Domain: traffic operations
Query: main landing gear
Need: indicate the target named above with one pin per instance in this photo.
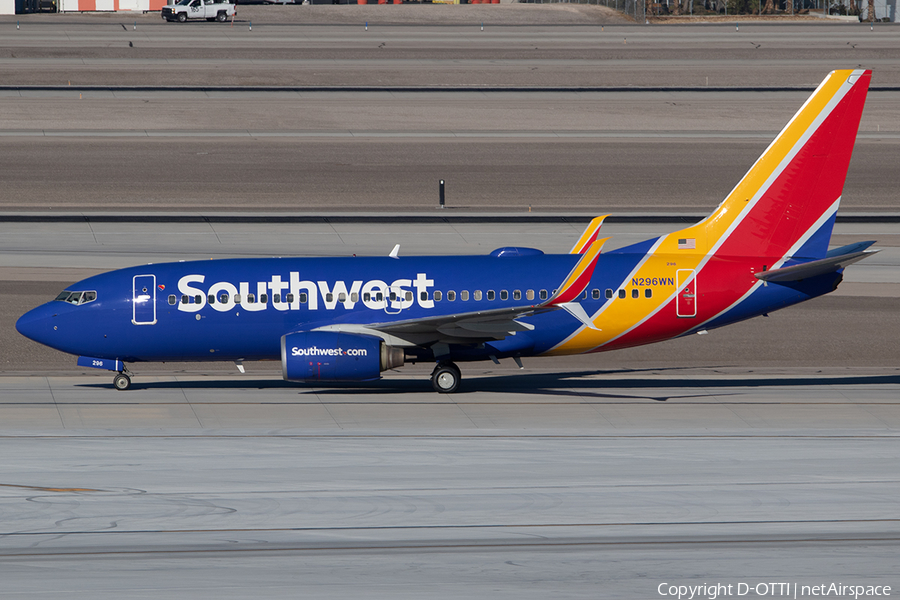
(122, 381)
(445, 378)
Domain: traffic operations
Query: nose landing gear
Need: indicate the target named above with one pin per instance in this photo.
(122, 381)
(445, 378)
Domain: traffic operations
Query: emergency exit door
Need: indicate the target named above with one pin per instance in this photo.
(686, 299)
(143, 301)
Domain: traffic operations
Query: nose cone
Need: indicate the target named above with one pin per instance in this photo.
(37, 324)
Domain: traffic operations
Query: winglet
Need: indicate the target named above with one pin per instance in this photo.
(579, 277)
(589, 236)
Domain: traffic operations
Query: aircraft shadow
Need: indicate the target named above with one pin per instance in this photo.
(588, 383)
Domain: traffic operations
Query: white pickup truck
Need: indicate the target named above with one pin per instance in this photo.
(211, 10)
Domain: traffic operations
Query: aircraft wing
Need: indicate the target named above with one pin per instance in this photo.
(462, 328)
(469, 327)
(485, 325)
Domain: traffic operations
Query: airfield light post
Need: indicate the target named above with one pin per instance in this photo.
(441, 193)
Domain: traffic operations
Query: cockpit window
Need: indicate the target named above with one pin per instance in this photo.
(77, 297)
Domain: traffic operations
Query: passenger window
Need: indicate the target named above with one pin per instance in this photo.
(543, 294)
(211, 299)
(477, 294)
(329, 297)
(490, 295)
(517, 294)
(379, 297)
(354, 297)
(423, 296)
(437, 296)
(621, 293)
(648, 293)
(289, 298)
(464, 295)
(173, 300)
(367, 297)
(342, 297)
(185, 299)
(609, 293)
(595, 294)
(276, 298)
(237, 298)
(303, 298)
(504, 295)
(451, 296)
(584, 295)
(635, 293)
(393, 296)
(251, 298)
(409, 296)
(263, 298)
(529, 295)
(223, 298)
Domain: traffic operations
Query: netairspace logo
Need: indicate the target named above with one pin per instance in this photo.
(778, 589)
(316, 351)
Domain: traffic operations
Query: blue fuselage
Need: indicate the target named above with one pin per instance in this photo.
(240, 308)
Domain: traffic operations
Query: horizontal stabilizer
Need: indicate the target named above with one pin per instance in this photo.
(816, 267)
(849, 249)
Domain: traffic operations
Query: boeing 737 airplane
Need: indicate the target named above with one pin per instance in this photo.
(348, 319)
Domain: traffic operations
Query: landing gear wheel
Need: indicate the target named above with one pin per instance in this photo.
(445, 378)
(122, 382)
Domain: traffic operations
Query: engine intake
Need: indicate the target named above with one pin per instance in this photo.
(336, 356)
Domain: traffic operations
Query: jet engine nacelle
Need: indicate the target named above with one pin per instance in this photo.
(336, 356)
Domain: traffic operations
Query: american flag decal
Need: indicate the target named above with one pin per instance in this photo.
(687, 243)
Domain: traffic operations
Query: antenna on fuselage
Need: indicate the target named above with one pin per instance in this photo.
(395, 253)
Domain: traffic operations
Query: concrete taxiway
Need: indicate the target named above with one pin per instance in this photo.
(441, 515)
(298, 114)
(289, 50)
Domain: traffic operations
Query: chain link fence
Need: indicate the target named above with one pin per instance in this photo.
(633, 8)
(638, 9)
